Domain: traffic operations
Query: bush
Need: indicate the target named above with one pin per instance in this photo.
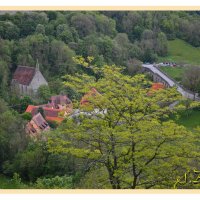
(16, 182)
(26, 116)
(52, 124)
(44, 93)
(57, 182)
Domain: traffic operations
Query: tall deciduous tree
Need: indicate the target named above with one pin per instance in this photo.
(44, 93)
(61, 58)
(4, 69)
(134, 66)
(130, 133)
(191, 79)
(12, 135)
(84, 24)
(161, 46)
(105, 25)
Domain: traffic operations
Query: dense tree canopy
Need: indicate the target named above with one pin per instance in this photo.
(130, 142)
(130, 134)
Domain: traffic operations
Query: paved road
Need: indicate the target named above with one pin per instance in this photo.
(171, 83)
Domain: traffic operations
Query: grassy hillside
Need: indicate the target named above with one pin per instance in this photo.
(189, 121)
(174, 72)
(182, 52)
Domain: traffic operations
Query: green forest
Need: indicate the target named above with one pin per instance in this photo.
(126, 137)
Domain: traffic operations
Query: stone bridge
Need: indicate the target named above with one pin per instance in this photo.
(159, 76)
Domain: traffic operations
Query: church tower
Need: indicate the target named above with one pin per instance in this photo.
(37, 66)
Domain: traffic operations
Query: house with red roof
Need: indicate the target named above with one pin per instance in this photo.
(50, 113)
(55, 110)
(61, 102)
(32, 109)
(156, 87)
(91, 94)
(27, 80)
(37, 125)
(53, 114)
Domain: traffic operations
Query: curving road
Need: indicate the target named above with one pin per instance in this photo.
(171, 83)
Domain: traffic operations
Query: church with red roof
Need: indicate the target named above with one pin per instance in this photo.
(26, 80)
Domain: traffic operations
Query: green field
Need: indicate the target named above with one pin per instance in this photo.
(190, 120)
(182, 52)
(174, 72)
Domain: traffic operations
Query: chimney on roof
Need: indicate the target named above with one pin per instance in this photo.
(37, 66)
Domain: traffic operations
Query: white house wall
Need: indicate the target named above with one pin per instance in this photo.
(37, 81)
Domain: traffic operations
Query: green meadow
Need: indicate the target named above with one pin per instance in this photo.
(174, 72)
(182, 52)
(190, 119)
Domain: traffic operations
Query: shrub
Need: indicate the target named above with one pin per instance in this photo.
(58, 182)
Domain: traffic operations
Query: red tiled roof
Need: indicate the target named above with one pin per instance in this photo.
(92, 93)
(54, 109)
(57, 119)
(51, 112)
(157, 86)
(60, 99)
(37, 125)
(32, 109)
(39, 120)
(24, 75)
(29, 108)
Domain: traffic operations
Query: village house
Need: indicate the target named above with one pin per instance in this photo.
(55, 110)
(85, 103)
(155, 87)
(85, 100)
(37, 125)
(27, 80)
(61, 102)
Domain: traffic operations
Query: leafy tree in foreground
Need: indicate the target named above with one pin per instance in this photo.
(131, 135)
